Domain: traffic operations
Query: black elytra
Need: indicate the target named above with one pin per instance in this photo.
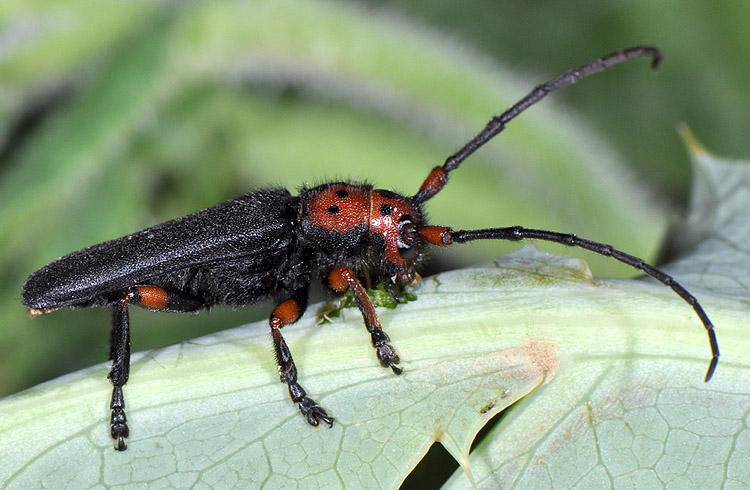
(269, 244)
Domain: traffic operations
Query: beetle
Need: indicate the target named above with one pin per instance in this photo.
(269, 244)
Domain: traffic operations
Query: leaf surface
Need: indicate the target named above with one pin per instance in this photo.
(635, 417)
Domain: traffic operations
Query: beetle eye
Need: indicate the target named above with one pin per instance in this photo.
(407, 237)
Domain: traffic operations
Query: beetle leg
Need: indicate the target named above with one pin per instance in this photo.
(119, 352)
(159, 299)
(289, 311)
(343, 278)
(153, 298)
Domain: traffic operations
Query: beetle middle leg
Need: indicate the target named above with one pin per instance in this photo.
(289, 311)
(343, 278)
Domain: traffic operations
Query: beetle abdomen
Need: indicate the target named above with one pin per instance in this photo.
(255, 227)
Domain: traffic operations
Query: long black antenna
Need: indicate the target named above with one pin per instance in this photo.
(434, 183)
(516, 233)
(438, 177)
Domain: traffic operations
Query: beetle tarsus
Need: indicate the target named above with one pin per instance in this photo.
(386, 354)
(118, 423)
(313, 412)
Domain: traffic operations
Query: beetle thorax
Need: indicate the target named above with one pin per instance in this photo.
(343, 208)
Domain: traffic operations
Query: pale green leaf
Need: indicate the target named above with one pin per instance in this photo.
(594, 354)
(715, 237)
(640, 416)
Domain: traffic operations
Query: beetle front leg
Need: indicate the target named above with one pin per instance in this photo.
(343, 278)
(289, 311)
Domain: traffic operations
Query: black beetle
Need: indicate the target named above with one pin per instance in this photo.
(268, 244)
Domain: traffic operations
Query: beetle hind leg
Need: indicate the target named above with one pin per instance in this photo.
(289, 311)
(153, 298)
(119, 353)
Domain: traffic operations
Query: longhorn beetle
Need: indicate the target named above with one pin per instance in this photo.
(268, 244)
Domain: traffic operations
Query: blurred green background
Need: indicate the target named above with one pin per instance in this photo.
(117, 116)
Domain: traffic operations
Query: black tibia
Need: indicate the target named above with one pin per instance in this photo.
(119, 352)
(151, 297)
(287, 312)
(516, 233)
(386, 354)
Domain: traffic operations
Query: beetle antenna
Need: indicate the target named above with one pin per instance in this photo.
(438, 177)
(516, 233)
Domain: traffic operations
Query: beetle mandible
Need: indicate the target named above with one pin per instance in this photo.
(269, 244)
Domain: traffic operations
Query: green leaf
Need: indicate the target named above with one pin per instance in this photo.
(386, 295)
(597, 356)
(638, 415)
(712, 240)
